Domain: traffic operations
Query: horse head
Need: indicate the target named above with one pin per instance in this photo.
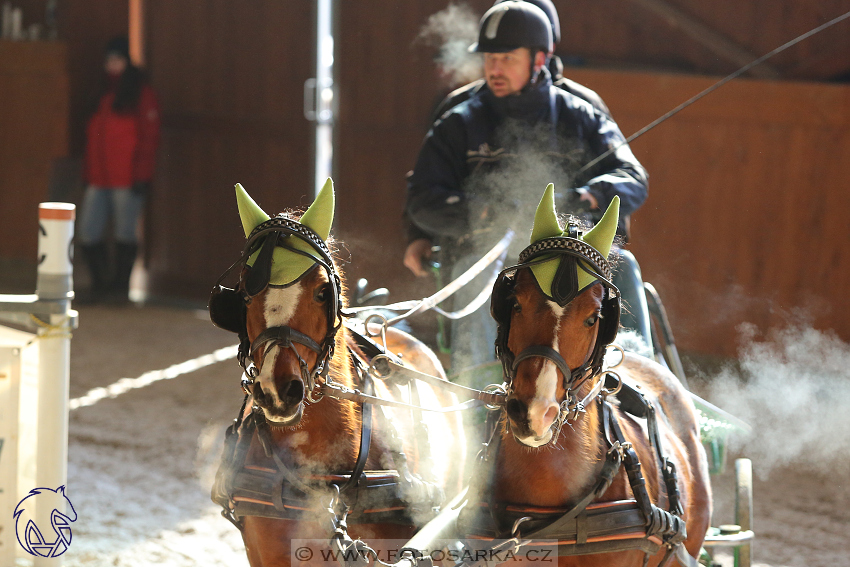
(557, 311)
(292, 292)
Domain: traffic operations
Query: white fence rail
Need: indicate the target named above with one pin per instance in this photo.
(34, 379)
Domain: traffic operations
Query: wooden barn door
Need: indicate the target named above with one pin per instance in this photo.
(230, 77)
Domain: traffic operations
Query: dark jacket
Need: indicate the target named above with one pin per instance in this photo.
(489, 157)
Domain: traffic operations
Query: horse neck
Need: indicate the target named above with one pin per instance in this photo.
(557, 473)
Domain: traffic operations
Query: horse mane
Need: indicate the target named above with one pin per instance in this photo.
(585, 225)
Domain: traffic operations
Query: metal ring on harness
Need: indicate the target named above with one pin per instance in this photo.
(622, 354)
(381, 359)
(605, 391)
(382, 332)
(495, 389)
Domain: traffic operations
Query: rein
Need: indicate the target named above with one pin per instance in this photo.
(496, 256)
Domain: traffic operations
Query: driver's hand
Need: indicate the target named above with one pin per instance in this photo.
(417, 251)
(585, 195)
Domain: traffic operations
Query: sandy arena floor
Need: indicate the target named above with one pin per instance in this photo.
(141, 463)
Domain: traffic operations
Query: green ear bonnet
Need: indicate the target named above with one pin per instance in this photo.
(279, 251)
(563, 262)
(578, 260)
(286, 259)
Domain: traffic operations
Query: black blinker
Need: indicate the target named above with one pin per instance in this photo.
(260, 273)
(227, 309)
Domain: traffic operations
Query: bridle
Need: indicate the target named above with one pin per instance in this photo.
(575, 254)
(283, 492)
(228, 306)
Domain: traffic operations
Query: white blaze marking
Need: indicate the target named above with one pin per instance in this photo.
(547, 381)
(278, 309)
(280, 305)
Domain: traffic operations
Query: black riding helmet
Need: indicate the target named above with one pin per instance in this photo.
(551, 12)
(511, 25)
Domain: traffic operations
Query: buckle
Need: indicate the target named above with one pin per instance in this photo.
(620, 448)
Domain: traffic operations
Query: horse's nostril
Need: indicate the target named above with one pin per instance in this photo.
(551, 414)
(294, 392)
(517, 410)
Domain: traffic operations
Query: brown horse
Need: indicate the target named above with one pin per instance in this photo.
(557, 311)
(297, 446)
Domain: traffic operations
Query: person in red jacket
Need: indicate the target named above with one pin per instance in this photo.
(122, 139)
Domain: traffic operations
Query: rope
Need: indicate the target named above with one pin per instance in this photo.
(716, 86)
(51, 331)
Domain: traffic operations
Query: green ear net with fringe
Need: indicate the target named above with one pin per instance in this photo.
(546, 225)
(288, 266)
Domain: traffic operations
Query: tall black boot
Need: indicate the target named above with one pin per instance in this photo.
(125, 257)
(96, 257)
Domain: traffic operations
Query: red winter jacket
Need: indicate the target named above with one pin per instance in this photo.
(121, 148)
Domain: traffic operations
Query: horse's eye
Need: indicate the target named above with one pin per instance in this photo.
(591, 321)
(323, 293)
(515, 306)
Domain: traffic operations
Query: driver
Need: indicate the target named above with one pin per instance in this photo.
(485, 160)
(556, 69)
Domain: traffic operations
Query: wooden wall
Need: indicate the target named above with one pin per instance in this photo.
(230, 77)
(695, 37)
(33, 132)
(380, 126)
(746, 220)
(84, 26)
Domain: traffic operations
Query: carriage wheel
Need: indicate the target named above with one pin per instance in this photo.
(744, 509)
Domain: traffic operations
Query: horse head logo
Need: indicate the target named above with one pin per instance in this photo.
(31, 538)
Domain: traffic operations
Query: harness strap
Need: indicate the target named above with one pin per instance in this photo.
(547, 352)
(341, 393)
(385, 368)
(634, 402)
(650, 526)
(284, 337)
(283, 471)
(365, 435)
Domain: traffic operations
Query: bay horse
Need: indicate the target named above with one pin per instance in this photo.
(299, 447)
(552, 471)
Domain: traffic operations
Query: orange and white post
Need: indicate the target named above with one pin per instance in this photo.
(54, 286)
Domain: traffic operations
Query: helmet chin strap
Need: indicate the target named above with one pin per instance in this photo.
(534, 72)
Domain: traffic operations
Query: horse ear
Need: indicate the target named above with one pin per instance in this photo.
(288, 266)
(602, 235)
(249, 211)
(320, 216)
(546, 226)
(545, 219)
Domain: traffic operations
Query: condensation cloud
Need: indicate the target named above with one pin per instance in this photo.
(452, 30)
(793, 388)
